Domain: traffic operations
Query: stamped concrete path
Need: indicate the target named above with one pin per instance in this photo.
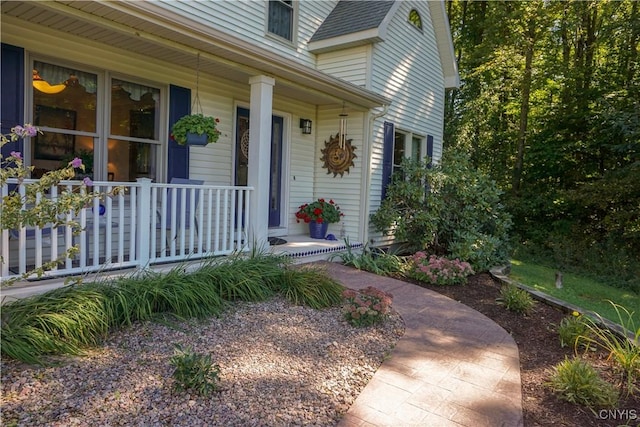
(453, 366)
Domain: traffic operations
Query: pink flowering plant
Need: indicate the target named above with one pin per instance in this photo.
(367, 306)
(439, 270)
(43, 211)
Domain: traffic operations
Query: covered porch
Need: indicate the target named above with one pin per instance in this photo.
(142, 225)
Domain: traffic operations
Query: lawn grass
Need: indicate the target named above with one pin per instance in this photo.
(584, 292)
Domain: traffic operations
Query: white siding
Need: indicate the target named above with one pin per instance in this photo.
(348, 64)
(407, 69)
(345, 190)
(247, 19)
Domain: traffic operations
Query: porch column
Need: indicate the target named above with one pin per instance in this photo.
(259, 158)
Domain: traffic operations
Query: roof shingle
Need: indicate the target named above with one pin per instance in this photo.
(352, 16)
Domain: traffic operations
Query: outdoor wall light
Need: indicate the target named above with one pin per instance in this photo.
(305, 125)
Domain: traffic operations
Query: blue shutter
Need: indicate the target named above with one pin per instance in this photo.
(178, 155)
(387, 157)
(427, 185)
(430, 150)
(11, 87)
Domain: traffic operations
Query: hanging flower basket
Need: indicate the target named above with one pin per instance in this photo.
(197, 139)
(201, 126)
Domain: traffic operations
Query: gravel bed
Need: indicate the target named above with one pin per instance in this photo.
(280, 365)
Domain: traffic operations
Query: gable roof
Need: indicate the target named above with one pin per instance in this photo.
(351, 17)
(357, 22)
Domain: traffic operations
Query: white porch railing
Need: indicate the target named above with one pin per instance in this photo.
(147, 223)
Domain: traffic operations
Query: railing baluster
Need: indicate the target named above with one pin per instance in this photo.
(216, 226)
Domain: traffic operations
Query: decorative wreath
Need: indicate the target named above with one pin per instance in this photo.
(244, 144)
(337, 159)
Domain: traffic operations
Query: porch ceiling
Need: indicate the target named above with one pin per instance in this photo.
(143, 28)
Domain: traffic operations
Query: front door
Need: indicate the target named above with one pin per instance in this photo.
(275, 172)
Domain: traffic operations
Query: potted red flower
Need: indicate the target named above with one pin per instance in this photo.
(319, 214)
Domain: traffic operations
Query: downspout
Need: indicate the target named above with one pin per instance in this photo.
(366, 177)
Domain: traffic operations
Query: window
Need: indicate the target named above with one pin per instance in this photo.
(399, 145)
(405, 145)
(281, 18)
(134, 132)
(414, 18)
(67, 110)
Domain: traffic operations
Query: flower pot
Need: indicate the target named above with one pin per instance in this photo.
(197, 139)
(318, 231)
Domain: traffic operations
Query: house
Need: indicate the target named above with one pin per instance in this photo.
(335, 93)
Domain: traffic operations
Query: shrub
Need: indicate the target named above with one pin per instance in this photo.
(44, 211)
(516, 299)
(460, 216)
(194, 371)
(578, 382)
(367, 306)
(439, 270)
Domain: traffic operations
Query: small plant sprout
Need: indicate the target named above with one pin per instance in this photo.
(194, 371)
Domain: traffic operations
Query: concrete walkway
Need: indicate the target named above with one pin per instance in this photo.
(452, 367)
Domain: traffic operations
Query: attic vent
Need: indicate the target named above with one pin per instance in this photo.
(414, 18)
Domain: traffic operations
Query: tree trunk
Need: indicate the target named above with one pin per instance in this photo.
(524, 108)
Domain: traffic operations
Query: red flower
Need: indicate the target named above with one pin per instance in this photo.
(319, 211)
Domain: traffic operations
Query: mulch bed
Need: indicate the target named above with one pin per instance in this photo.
(540, 350)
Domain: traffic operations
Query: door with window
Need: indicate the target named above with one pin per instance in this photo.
(275, 171)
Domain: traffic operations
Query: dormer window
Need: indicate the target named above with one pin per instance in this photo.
(414, 18)
(281, 18)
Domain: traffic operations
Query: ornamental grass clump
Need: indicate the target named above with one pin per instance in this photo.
(439, 270)
(576, 381)
(623, 346)
(571, 329)
(516, 299)
(367, 306)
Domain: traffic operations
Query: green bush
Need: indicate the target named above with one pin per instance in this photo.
(516, 299)
(461, 216)
(578, 382)
(194, 371)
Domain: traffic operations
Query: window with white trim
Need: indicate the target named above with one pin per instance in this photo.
(280, 21)
(406, 145)
(67, 107)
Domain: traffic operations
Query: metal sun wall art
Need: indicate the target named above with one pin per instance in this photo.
(338, 159)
